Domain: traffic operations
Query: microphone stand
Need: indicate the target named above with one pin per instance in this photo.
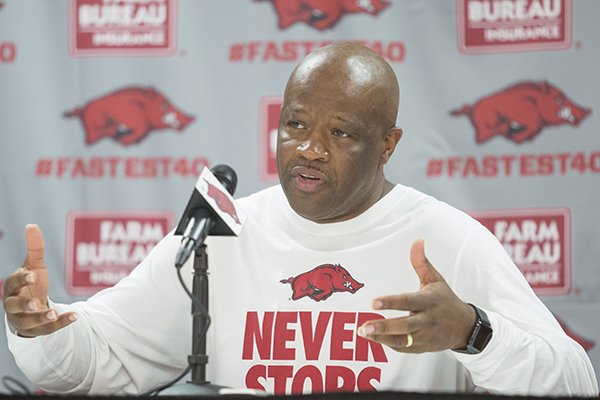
(198, 385)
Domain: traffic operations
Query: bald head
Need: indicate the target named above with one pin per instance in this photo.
(355, 71)
(336, 132)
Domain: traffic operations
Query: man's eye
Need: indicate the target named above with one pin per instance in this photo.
(295, 124)
(340, 133)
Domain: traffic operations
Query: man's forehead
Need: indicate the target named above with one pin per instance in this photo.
(354, 69)
(313, 62)
(301, 107)
(333, 114)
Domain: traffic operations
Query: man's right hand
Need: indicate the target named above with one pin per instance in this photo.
(26, 293)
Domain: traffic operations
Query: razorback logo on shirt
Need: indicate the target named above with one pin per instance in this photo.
(321, 282)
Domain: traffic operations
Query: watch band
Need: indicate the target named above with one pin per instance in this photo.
(480, 335)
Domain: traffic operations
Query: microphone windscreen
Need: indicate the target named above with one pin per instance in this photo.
(227, 176)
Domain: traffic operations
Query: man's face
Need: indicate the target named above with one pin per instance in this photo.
(329, 151)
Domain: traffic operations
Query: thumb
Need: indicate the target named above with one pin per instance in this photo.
(35, 263)
(35, 247)
(426, 272)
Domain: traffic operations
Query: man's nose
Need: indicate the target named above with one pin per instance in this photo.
(313, 149)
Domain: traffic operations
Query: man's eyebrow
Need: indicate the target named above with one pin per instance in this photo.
(297, 107)
(342, 118)
(348, 120)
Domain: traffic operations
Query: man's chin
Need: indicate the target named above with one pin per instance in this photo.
(308, 210)
(312, 205)
(315, 212)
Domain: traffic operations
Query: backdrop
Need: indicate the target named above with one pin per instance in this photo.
(110, 108)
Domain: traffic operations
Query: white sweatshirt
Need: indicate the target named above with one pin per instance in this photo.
(283, 325)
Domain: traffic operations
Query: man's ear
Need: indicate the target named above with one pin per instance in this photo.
(391, 139)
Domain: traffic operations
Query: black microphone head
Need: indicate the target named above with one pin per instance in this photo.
(226, 175)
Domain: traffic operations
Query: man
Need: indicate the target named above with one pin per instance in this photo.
(292, 297)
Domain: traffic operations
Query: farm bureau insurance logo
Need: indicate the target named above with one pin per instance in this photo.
(104, 246)
(490, 26)
(122, 27)
(539, 243)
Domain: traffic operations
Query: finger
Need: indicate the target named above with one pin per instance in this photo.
(35, 247)
(395, 332)
(398, 342)
(18, 280)
(405, 302)
(426, 272)
(29, 320)
(23, 304)
(47, 328)
(392, 326)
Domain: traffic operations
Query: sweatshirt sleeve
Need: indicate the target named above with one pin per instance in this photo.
(128, 338)
(41, 358)
(529, 353)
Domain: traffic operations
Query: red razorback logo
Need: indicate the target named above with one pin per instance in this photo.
(586, 344)
(128, 115)
(322, 281)
(222, 201)
(519, 112)
(322, 14)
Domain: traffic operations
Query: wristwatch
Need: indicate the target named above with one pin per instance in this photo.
(480, 335)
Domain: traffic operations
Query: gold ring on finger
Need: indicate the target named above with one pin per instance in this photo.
(409, 340)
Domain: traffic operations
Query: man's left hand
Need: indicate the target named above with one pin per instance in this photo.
(437, 320)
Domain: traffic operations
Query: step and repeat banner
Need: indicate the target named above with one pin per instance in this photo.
(111, 108)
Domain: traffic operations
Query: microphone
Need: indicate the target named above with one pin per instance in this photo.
(200, 218)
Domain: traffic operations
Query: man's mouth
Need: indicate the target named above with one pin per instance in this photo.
(308, 179)
(306, 176)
